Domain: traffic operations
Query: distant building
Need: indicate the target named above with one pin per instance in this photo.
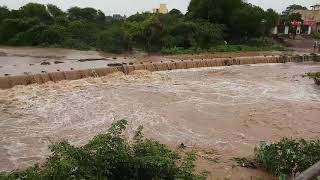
(162, 9)
(309, 25)
(313, 14)
(311, 18)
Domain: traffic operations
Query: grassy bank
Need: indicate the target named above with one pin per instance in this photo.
(222, 48)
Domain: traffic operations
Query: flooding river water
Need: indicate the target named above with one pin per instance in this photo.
(229, 109)
(31, 60)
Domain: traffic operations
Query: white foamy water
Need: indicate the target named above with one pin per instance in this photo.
(226, 108)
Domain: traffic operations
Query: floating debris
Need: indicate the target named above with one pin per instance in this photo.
(58, 62)
(114, 64)
(45, 63)
(91, 59)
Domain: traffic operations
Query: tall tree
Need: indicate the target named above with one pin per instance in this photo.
(175, 12)
(295, 17)
(55, 11)
(293, 7)
(35, 10)
(271, 18)
(146, 34)
(100, 17)
(246, 21)
(75, 13)
(215, 11)
(4, 13)
(11, 27)
(113, 40)
(86, 14)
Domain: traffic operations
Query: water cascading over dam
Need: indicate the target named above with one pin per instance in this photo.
(10, 81)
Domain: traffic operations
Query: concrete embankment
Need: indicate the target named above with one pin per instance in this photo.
(10, 81)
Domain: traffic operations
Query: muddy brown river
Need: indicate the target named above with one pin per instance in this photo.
(228, 109)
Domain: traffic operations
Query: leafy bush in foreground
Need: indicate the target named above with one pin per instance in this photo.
(111, 156)
(313, 75)
(288, 156)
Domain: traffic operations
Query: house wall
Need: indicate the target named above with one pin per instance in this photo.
(163, 9)
(309, 14)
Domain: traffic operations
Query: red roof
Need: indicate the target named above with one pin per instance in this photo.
(307, 22)
(310, 22)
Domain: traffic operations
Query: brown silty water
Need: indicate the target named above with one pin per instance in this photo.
(229, 109)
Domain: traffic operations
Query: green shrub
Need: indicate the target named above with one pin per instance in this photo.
(112, 156)
(181, 50)
(316, 35)
(288, 156)
(40, 35)
(11, 27)
(53, 35)
(221, 48)
(113, 40)
(29, 37)
(313, 75)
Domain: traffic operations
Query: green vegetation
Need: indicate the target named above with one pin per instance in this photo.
(293, 7)
(112, 156)
(285, 158)
(222, 48)
(206, 25)
(288, 156)
(288, 16)
(315, 76)
(316, 35)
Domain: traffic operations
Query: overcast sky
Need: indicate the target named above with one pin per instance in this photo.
(129, 7)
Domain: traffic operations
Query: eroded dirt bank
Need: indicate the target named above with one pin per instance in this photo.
(228, 109)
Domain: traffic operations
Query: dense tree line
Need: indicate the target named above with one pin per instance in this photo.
(206, 24)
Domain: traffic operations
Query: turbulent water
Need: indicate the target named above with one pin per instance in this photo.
(230, 109)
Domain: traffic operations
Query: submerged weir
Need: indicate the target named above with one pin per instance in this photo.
(10, 81)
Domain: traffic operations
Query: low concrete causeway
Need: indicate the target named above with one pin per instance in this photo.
(10, 81)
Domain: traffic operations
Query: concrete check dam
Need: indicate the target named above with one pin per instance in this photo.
(8, 80)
